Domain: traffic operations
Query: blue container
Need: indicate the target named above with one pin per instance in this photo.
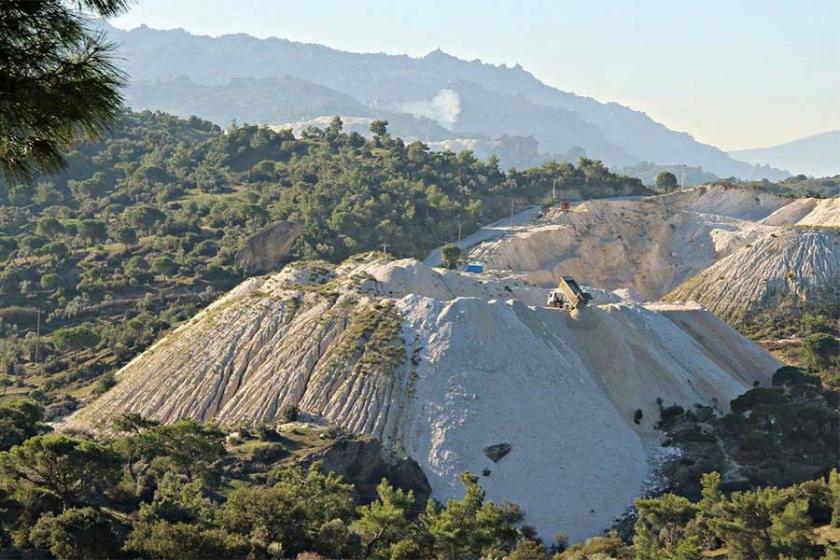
(474, 267)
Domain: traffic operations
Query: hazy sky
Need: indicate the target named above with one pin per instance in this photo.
(737, 74)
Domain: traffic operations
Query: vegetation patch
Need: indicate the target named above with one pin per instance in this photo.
(773, 436)
(373, 334)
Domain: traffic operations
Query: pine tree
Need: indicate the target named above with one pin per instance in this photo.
(57, 79)
(384, 523)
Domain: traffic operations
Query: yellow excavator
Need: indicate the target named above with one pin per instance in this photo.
(567, 295)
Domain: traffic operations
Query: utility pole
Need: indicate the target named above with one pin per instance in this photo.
(385, 250)
(511, 212)
(554, 189)
(37, 334)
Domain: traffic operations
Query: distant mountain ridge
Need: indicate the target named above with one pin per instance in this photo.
(817, 155)
(619, 135)
(269, 100)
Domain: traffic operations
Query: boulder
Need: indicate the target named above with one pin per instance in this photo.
(266, 249)
(497, 452)
(364, 462)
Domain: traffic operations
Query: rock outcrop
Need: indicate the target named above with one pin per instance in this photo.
(266, 249)
(364, 462)
(439, 365)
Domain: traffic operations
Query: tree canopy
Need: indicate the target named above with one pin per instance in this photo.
(666, 181)
(58, 79)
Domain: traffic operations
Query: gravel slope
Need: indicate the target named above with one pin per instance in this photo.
(788, 268)
(650, 245)
(439, 365)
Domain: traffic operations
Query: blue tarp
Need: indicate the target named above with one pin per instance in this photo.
(474, 267)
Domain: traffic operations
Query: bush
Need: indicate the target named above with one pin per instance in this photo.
(670, 413)
(76, 534)
(106, 382)
(759, 396)
(267, 453)
(75, 338)
(451, 254)
(666, 181)
(759, 444)
(266, 432)
(182, 541)
(289, 412)
(815, 323)
(21, 316)
(50, 281)
(819, 350)
(788, 375)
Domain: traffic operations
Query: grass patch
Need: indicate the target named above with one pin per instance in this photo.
(375, 332)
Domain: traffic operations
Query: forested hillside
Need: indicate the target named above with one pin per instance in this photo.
(145, 225)
(188, 491)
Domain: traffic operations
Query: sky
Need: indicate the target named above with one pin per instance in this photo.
(736, 74)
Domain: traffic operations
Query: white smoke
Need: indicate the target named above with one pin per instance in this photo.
(443, 108)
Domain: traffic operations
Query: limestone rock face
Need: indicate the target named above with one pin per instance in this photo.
(790, 268)
(264, 250)
(439, 365)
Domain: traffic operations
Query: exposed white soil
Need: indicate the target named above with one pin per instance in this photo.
(649, 244)
(791, 267)
(824, 212)
(734, 250)
(440, 364)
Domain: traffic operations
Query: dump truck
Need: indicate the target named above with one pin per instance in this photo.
(567, 295)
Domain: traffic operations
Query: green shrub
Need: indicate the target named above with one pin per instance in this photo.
(451, 254)
(76, 534)
(50, 281)
(268, 452)
(289, 412)
(105, 382)
(670, 413)
(820, 350)
(75, 338)
(789, 375)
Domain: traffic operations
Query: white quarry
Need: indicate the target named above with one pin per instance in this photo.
(441, 365)
(648, 244)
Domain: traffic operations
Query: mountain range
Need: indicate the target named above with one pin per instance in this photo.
(432, 98)
(817, 155)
